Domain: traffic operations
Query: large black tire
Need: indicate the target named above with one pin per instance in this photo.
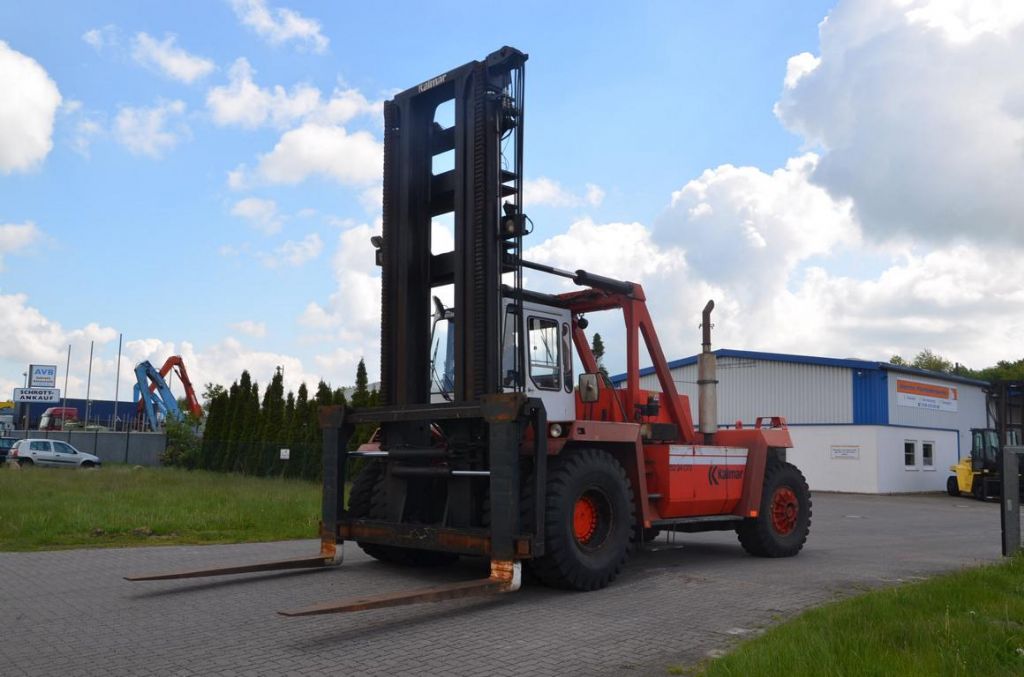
(589, 522)
(952, 487)
(784, 519)
(360, 504)
(368, 499)
(978, 488)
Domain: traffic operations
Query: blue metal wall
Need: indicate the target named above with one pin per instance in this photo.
(870, 397)
(101, 412)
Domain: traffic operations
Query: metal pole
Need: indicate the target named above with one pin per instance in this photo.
(25, 406)
(88, 385)
(1010, 509)
(117, 378)
(67, 370)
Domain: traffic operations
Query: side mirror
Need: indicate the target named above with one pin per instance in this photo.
(588, 388)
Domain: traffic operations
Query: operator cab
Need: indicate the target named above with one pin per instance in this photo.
(984, 449)
(548, 356)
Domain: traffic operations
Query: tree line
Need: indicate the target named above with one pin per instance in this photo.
(931, 361)
(245, 433)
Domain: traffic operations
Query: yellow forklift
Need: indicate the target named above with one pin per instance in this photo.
(979, 474)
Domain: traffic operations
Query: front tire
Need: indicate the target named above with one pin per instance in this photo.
(589, 522)
(952, 487)
(784, 519)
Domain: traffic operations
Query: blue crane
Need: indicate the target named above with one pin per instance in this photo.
(161, 401)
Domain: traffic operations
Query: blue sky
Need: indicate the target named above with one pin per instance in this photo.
(781, 138)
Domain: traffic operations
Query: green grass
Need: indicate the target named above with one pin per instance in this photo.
(47, 508)
(967, 623)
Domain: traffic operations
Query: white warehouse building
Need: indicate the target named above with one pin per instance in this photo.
(857, 426)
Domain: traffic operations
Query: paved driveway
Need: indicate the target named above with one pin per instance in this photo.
(70, 613)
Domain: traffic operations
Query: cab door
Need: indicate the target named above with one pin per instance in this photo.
(549, 373)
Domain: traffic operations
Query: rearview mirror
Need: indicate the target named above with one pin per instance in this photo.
(588, 388)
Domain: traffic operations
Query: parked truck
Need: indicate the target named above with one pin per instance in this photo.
(506, 442)
(58, 418)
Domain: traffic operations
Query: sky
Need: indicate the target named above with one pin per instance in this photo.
(202, 178)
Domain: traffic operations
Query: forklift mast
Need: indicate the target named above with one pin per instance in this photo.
(488, 119)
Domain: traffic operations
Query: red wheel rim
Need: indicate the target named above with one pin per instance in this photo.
(585, 517)
(785, 510)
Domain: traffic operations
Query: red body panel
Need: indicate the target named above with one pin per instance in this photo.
(682, 476)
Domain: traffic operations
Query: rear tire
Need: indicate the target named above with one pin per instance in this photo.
(25, 462)
(952, 487)
(589, 522)
(784, 519)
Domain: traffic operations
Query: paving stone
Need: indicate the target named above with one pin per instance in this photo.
(70, 612)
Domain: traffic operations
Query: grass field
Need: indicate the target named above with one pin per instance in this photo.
(968, 623)
(47, 508)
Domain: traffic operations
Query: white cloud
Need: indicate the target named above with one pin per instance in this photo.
(280, 25)
(545, 191)
(16, 236)
(345, 105)
(145, 131)
(243, 102)
(353, 159)
(238, 178)
(351, 315)
(919, 114)
(31, 337)
(98, 38)
(250, 328)
(170, 59)
(27, 111)
(595, 195)
(85, 132)
(295, 253)
(748, 228)
(262, 214)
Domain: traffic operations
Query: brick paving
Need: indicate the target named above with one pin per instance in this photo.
(70, 613)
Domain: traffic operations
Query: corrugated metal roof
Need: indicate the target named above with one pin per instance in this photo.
(810, 359)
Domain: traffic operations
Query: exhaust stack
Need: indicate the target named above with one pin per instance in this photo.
(707, 381)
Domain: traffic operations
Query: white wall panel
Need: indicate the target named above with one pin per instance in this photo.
(812, 453)
(748, 388)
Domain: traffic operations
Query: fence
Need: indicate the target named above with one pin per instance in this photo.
(126, 447)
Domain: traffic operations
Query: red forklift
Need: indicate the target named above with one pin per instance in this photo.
(489, 442)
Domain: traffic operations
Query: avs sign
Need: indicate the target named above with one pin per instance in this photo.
(42, 376)
(48, 395)
(922, 395)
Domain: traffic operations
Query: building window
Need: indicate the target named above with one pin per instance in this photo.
(928, 455)
(910, 454)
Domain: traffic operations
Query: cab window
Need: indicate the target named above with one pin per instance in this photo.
(510, 349)
(39, 445)
(544, 347)
(567, 357)
(64, 448)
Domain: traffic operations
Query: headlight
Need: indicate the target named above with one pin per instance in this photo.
(555, 429)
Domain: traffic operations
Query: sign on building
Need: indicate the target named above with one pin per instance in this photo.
(49, 395)
(925, 395)
(850, 452)
(42, 376)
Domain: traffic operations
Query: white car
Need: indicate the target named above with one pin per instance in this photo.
(53, 453)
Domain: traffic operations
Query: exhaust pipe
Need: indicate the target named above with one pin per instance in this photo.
(707, 381)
